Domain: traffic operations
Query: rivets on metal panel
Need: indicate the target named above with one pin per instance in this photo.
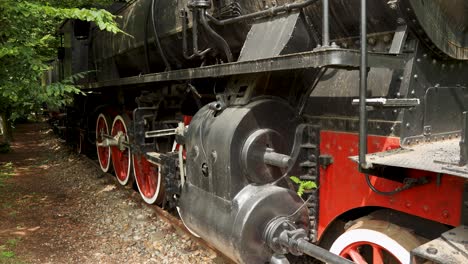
(431, 250)
(445, 214)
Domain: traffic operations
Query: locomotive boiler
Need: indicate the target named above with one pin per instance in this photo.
(335, 129)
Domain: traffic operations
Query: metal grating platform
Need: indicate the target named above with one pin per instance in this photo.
(451, 247)
(441, 157)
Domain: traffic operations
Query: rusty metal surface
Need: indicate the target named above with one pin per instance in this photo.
(444, 23)
(313, 59)
(458, 238)
(451, 247)
(440, 157)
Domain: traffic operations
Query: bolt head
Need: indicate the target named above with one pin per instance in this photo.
(431, 250)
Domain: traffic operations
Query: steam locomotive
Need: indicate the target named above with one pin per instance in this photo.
(334, 129)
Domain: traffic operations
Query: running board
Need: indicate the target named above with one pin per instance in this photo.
(440, 156)
(450, 247)
(331, 57)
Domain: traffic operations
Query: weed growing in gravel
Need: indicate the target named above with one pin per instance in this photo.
(12, 242)
(7, 255)
(6, 171)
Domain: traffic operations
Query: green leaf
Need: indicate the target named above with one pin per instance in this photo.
(295, 179)
(303, 185)
(309, 185)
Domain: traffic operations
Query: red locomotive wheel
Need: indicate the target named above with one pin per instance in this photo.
(121, 157)
(375, 241)
(104, 153)
(149, 180)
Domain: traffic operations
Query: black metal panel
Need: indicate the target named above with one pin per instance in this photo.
(444, 107)
(428, 72)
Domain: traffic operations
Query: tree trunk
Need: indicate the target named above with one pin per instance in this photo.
(7, 126)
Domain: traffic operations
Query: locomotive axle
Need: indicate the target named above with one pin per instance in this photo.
(118, 141)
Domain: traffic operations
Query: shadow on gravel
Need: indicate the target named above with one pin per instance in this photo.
(56, 208)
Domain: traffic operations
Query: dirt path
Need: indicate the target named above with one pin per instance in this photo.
(55, 208)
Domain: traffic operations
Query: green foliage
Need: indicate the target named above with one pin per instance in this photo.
(7, 254)
(12, 242)
(28, 43)
(303, 185)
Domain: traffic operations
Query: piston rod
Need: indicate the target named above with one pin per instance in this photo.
(320, 253)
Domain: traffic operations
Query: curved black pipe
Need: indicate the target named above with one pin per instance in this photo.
(196, 52)
(196, 17)
(264, 13)
(184, 36)
(221, 41)
(156, 37)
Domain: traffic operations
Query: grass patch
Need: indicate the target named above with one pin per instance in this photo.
(12, 242)
(7, 254)
(6, 172)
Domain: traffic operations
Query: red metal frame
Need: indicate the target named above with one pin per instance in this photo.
(343, 188)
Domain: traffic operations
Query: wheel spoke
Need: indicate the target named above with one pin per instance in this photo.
(375, 241)
(356, 256)
(104, 153)
(147, 179)
(377, 255)
(121, 159)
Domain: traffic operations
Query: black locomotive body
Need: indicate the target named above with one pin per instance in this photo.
(335, 129)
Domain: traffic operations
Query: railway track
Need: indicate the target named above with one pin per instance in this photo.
(165, 216)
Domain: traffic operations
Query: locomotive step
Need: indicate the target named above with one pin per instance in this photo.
(424, 156)
(449, 248)
(391, 102)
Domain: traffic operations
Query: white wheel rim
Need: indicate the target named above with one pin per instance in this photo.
(149, 200)
(106, 168)
(371, 236)
(125, 181)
